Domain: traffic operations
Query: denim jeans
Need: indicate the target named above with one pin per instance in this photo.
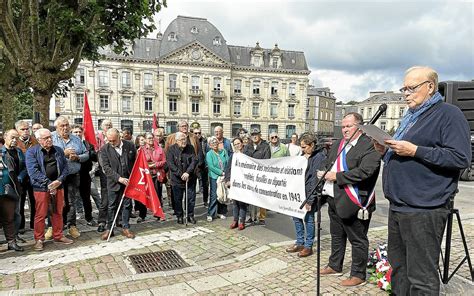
(72, 194)
(300, 230)
(239, 211)
(212, 208)
(414, 245)
(178, 195)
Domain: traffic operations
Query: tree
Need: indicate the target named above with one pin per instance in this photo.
(44, 40)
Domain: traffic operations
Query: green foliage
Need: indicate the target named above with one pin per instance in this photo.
(23, 105)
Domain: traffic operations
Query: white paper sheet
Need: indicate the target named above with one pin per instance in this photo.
(375, 133)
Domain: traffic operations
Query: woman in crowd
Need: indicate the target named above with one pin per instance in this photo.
(304, 239)
(156, 159)
(140, 141)
(216, 161)
(239, 210)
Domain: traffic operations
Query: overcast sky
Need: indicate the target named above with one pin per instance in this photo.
(353, 47)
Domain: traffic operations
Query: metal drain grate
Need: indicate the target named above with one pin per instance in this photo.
(157, 261)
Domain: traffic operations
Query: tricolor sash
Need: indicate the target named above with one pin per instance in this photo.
(352, 191)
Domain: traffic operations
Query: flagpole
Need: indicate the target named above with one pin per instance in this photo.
(115, 218)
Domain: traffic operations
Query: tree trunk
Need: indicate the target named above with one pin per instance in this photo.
(41, 104)
(7, 106)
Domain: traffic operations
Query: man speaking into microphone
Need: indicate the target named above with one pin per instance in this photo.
(420, 175)
(349, 188)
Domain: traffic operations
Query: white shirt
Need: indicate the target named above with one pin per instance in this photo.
(119, 148)
(328, 188)
(295, 150)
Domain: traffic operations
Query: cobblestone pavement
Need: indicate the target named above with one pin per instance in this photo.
(222, 262)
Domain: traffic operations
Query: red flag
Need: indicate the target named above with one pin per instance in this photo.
(88, 126)
(155, 122)
(140, 186)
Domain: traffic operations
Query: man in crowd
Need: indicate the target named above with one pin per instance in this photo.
(12, 171)
(36, 127)
(182, 162)
(116, 159)
(203, 169)
(47, 167)
(75, 153)
(258, 149)
(277, 148)
(104, 199)
(421, 170)
(293, 146)
(127, 134)
(25, 141)
(349, 189)
(224, 143)
(85, 178)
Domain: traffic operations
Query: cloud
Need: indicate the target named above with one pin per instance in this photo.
(353, 47)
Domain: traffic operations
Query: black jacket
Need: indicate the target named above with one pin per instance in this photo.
(262, 151)
(315, 162)
(363, 162)
(181, 161)
(86, 166)
(111, 165)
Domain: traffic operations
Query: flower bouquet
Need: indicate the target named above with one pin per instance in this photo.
(379, 268)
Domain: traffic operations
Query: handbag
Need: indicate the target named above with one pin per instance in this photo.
(11, 193)
(222, 194)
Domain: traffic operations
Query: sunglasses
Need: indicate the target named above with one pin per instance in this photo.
(274, 137)
(197, 133)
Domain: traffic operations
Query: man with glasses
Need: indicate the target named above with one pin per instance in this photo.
(258, 149)
(203, 176)
(422, 165)
(278, 149)
(104, 200)
(25, 141)
(48, 169)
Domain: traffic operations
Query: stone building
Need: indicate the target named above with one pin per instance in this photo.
(396, 108)
(190, 72)
(320, 111)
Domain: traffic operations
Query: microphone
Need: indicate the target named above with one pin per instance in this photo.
(377, 114)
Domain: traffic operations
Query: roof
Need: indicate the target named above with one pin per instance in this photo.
(383, 97)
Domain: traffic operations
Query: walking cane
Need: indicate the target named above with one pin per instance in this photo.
(186, 204)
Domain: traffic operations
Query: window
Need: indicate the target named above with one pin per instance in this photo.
(103, 78)
(78, 120)
(275, 63)
(369, 112)
(383, 125)
(384, 114)
(216, 107)
(216, 41)
(147, 125)
(217, 83)
(148, 104)
(256, 61)
(148, 80)
(126, 80)
(126, 124)
(254, 126)
(292, 89)
(291, 110)
(237, 108)
(362, 112)
(256, 87)
(195, 82)
(272, 128)
(235, 129)
(237, 86)
(194, 30)
(80, 76)
(255, 109)
(171, 127)
(195, 106)
(79, 101)
(290, 129)
(104, 102)
(274, 88)
(173, 104)
(274, 110)
(401, 111)
(173, 78)
(126, 103)
(172, 37)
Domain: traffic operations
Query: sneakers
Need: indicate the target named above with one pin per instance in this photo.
(101, 227)
(250, 220)
(140, 220)
(352, 282)
(234, 225)
(209, 218)
(74, 232)
(222, 216)
(38, 245)
(64, 240)
(329, 271)
(91, 222)
(261, 223)
(49, 234)
(14, 246)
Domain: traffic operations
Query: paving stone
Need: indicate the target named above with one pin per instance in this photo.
(176, 289)
(208, 283)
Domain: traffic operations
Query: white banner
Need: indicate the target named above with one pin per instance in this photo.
(276, 184)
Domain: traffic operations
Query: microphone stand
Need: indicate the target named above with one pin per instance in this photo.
(318, 189)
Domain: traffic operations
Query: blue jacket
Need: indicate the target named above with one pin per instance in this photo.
(37, 171)
(428, 179)
(75, 143)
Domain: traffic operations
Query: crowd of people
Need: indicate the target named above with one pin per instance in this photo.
(57, 171)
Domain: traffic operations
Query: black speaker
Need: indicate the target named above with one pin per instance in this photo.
(461, 94)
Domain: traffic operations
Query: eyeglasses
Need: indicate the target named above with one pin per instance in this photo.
(197, 133)
(412, 89)
(274, 137)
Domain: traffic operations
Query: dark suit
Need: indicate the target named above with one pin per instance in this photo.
(363, 164)
(114, 167)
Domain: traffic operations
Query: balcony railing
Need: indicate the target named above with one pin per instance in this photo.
(217, 94)
(174, 91)
(195, 92)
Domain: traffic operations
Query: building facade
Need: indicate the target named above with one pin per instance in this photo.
(320, 111)
(189, 72)
(390, 119)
